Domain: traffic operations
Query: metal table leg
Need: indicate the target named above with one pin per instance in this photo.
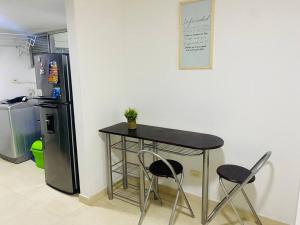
(142, 179)
(109, 169)
(205, 181)
(124, 163)
(155, 150)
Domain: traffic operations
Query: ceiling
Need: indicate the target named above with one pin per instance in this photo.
(32, 16)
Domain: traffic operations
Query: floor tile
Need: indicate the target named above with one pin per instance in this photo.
(25, 199)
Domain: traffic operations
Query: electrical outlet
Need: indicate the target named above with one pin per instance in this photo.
(195, 173)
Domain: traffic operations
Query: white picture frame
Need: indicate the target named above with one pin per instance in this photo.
(196, 19)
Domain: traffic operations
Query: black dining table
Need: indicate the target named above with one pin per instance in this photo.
(200, 143)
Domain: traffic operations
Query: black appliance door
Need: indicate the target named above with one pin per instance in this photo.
(58, 134)
(43, 64)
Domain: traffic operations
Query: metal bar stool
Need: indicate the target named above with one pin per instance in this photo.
(163, 168)
(241, 177)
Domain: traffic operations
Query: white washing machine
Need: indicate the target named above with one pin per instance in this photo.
(19, 128)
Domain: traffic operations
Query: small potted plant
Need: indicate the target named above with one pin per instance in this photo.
(131, 115)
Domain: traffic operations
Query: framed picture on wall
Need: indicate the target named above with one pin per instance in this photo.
(196, 34)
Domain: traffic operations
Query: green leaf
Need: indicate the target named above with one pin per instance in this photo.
(131, 114)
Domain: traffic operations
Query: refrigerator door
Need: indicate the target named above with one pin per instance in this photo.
(59, 149)
(52, 73)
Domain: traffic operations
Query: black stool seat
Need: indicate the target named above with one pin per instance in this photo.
(160, 169)
(234, 173)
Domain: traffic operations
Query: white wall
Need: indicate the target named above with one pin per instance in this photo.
(95, 41)
(13, 66)
(127, 53)
(250, 98)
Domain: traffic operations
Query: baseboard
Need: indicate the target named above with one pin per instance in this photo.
(171, 192)
(246, 215)
(91, 200)
(96, 197)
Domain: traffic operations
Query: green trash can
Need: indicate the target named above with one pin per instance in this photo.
(37, 151)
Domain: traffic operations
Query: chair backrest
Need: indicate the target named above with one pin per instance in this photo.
(141, 155)
(261, 162)
(258, 165)
(254, 170)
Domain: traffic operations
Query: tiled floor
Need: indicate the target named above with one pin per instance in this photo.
(26, 200)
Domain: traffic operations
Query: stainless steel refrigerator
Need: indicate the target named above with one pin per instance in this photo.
(53, 79)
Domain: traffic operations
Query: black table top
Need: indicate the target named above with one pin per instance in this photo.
(181, 138)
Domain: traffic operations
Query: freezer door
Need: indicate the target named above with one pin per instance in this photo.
(46, 84)
(58, 134)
